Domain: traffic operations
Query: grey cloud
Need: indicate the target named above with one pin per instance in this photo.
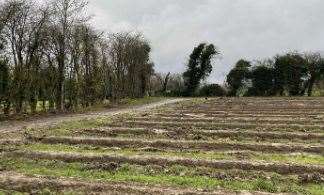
(248, 29)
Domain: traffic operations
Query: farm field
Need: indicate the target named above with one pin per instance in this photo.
(197, 146)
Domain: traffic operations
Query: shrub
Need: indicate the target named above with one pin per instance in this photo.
(213, 90)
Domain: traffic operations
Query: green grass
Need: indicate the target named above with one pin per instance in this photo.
(128, 173)
(5, 192)
(124, 103)
(141, 101)
(127, 102)
(194, 135)
(45, 191)
(65, 128)
(294, 158)
(316, 189)
(84, 149)
(255, 156)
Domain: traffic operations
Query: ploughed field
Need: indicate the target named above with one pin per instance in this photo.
(198, 146)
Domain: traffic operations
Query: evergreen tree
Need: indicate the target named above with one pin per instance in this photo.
(236, 77)
(199, 67)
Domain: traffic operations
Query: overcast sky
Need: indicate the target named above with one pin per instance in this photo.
(250, 29)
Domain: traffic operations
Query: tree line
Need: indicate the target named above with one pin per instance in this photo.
(50, 54)
(290, 74)
(52, 59)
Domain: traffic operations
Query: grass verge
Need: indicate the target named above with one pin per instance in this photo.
(138, 174)
(298, 158)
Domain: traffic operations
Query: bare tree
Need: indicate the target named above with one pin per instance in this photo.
(67, 13)
(164, 81)
(23, 30)
(51, 54)
(130, 60)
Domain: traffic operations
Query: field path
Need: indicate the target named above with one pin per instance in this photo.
(11, 126)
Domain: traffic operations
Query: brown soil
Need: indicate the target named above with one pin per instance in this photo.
(254, 112)
(232, 120)
(239, 116)
(234, 125)
(181, 145)
(176, 133)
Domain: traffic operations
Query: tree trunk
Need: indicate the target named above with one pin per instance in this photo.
(51, 105)
(33, 105)
(311, 86)
(165, 83)
(6, 109)
(19, 106)
(60, 86)
(44, 105)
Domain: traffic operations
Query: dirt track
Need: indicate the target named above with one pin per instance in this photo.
(10, 126)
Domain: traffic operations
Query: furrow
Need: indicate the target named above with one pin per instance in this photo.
(182, 145)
